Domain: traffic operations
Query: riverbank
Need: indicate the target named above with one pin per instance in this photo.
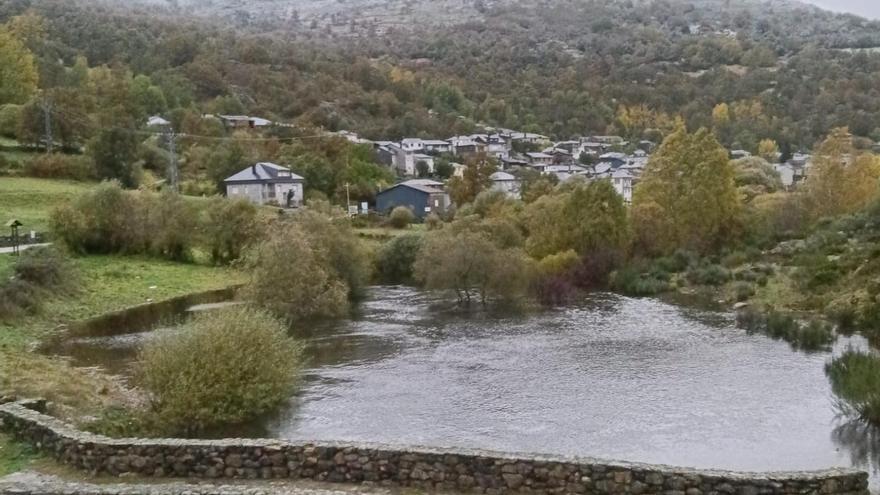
(104, 284)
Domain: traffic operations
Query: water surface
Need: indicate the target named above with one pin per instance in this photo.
(613, 377)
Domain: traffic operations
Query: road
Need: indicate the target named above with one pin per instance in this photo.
(23, 247)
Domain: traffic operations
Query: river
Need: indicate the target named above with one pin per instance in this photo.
(612, 377)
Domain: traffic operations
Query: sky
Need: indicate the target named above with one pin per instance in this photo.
(865, 8)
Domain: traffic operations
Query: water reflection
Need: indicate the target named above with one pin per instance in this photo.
(862, 441)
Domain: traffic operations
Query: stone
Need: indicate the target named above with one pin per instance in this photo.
(234, 460)
(513, 481)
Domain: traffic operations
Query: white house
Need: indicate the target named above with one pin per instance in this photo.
(413, 144)
(536, 158)
(622, 180)
(506, 183)
(266, 183)
(437, 146)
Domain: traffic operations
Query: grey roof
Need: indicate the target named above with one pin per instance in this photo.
(424, 185)
(264, 172)
(502, 176)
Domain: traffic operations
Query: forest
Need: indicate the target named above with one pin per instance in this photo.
(788, 72)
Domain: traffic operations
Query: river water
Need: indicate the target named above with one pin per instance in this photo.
(612, 377)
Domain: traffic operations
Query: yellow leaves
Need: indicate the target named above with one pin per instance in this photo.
(638, 118)
(18, 71)
(399, 75)
(841, 179)
(687, 197)
(721, 114)
(768, 150)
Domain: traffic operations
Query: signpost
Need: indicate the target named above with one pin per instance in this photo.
(14, 225)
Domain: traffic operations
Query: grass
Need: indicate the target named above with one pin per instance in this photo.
(32, 200)
(106, 283)
(14, 456)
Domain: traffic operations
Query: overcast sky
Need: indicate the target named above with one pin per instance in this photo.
(866, 8)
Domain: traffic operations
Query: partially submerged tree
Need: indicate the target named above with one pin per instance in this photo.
(687, 196)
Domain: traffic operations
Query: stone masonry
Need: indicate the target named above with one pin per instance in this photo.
(449, 470)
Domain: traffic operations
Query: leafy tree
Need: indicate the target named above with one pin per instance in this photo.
(396, 258)
(688, 185)
(588, 219)
(305, 288)
(842, 179)
(114, 152)
(229, 226)
(476, 178)
(9, 116)
(472, 266)
(753, 176)
(768, 150)
(18, 71)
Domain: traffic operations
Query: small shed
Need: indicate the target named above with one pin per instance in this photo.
(422, 196)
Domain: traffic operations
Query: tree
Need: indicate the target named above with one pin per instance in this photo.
(229, 226)
(291, 277)
(768, 150)
(588, 219)
(472, 266)
(18, 72)
(114, 152)
(842, 179)
(689, 185)
(475, 179)
(721, 114)
(753, 176)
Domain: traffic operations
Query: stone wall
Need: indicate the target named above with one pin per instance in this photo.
(455, 470)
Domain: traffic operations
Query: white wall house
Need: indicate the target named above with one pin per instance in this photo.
(266, 183)
(506, 183)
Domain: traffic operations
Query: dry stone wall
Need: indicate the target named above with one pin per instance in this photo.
(452, 470)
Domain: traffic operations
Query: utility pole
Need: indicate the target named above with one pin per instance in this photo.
(46, 105)
(347, 199)
(173, 179)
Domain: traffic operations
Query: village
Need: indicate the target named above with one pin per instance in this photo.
(422, 187)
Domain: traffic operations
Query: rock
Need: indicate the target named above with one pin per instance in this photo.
(234, 460)
(513, 481)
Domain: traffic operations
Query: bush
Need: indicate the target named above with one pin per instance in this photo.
(44, 267)
(103, 220)
(635, 280)
(396, 258)
(60, 166)
(228, 227)
(293, 277)
(742, 291)
(225, 367)
(401, 217)
(9, 117)
(855, 380)
(814, 336)
(433, 221)
(170, 224)
(712, 274)
(472, 266)
(36, 272)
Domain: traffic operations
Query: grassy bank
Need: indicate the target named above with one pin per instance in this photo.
(105, 284)
(31, 200)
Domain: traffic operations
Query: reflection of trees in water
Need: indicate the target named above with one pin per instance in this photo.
(861, 440)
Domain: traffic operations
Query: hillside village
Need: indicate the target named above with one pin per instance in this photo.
(415, 161)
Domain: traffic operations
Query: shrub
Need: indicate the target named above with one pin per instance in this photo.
(225, 367)
(472, 266)
(9, 117)
(344, 252)
(169, 225)
(396, 258)
(401, 217)
(634, 280)
(433, 221)
(742, 291)
(855, 380)
(815, 335)
(292, 277)
(60, 166)
(44, 267)
(228, 227)
(19, 298)
(100, 221)
(712, 274)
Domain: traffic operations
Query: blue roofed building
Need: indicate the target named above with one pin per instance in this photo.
(422, 196)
